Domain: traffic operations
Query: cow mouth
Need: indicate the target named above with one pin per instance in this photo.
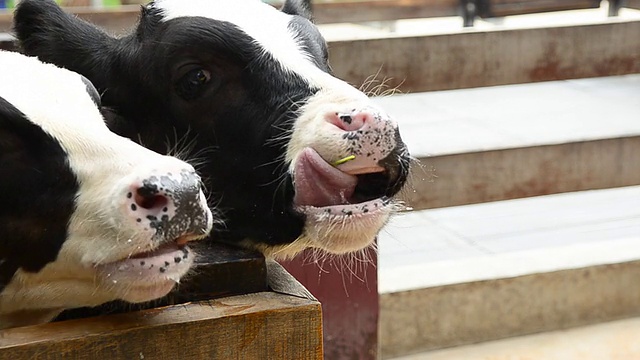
(339, 192)
(150, 274)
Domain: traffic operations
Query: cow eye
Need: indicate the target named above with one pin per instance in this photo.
(192, 84)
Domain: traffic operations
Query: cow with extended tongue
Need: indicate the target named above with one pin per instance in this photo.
(249, 88)
(86, 216)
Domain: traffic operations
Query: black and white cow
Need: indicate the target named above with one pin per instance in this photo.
(86, 216)
(250, 88)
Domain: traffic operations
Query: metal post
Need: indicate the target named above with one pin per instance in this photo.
(614, 7)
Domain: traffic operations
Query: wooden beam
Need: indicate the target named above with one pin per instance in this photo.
(115, 20)
(518, 7)
(382, 10)
(121, 19)
(257, 326)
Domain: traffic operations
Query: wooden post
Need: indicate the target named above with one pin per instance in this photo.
(348, 292)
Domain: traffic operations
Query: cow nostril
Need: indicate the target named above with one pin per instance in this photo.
(347, 119)
(150, 201)
(350, 121)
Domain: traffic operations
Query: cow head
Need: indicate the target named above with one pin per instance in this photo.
(293, 157)
(86, 216)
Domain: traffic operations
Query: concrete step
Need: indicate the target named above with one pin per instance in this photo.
(617, 340)
(473, 273)
(505, 142)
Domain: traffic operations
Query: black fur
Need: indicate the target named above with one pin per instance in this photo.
(37, 195)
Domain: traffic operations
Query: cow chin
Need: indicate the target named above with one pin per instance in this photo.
(61, 287)
(137, 268)
(341, 234)
(76, 280)
(336, 235)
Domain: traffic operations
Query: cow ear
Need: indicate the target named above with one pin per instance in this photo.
(298, 7)
(150, 18)
(44, 30)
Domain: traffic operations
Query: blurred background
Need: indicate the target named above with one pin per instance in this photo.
(521, 239)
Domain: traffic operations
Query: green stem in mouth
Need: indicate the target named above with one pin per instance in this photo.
(344, 160)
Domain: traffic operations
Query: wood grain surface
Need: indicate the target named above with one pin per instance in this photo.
(264, 325)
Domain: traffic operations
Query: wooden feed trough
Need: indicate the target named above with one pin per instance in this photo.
(235, 306)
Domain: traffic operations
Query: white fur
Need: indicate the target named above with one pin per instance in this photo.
(268, 27)
(105, 165)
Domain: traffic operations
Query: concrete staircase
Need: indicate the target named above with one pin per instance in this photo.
(506, 142)
(526, 220)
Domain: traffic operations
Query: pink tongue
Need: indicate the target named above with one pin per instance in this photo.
(319, 184)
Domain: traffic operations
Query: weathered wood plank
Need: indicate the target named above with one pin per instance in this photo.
(382, 10)
(117, 20)
(486, 58)
(114, 20)
(518, 7)
(257, 326)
